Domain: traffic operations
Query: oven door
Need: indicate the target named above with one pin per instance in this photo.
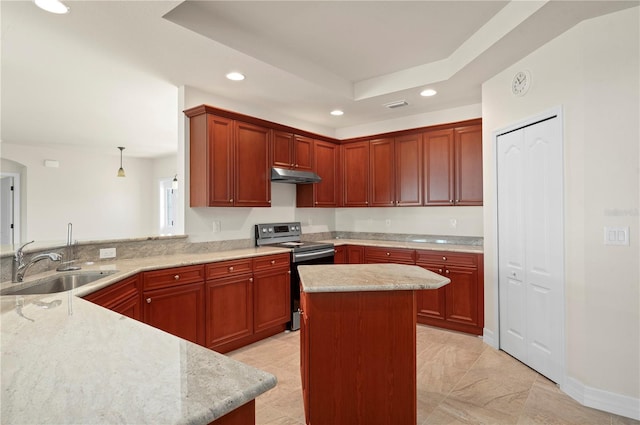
(300, 260)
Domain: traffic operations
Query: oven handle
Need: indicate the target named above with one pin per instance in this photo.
(315, 254)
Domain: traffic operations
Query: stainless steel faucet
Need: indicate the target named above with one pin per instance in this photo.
(20, 267)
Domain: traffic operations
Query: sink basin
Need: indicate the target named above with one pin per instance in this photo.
(58, 283)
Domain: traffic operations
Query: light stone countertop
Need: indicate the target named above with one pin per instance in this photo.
(472, 249)
(367, 277)
(66, 360)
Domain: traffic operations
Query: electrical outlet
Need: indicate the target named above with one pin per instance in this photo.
(107, 253)
(217, 226)
(453, 223)
(387, 222)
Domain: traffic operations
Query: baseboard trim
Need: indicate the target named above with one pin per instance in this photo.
(602, 400)
(488, 338)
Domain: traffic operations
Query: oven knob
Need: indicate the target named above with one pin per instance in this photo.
(264, 230)
(270, 229)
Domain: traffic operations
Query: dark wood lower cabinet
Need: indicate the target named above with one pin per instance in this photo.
(460, 304)
(122, 297)
(358, 357)
(229, 307)
(243, 415)
(178, 310)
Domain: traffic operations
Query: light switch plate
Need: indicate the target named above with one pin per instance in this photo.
(616, 235)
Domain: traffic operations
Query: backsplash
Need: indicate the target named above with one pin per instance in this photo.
(169, 245)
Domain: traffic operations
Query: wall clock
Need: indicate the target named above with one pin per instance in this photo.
(520, 83)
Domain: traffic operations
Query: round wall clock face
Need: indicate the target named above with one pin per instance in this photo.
(520, 83)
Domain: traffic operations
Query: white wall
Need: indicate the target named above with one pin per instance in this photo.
(592, 71)
(85, 191)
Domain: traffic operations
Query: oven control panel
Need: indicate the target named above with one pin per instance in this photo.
(270, 233)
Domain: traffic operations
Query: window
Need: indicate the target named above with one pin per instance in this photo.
(167, 207)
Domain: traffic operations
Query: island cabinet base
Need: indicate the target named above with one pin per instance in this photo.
(243, 415)
(358, 357)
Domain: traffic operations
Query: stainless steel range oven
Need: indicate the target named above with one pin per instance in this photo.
(288, 235)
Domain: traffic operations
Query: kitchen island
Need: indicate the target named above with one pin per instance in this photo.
(66, 360)
(358, 342)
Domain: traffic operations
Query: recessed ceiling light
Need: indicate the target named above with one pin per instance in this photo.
(337, 112)
(53, 6)
(428, 92)
(235, 76)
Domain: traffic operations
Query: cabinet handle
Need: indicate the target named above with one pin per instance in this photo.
(289, 272)
(273, 262)
(457, 201)
(366, 202)
(297, 165)
(148, 300)
(446, 271)
(250, 279)
(230, 268)
(292, 165)
(388, 254)
(177, 277)
(230, 200)
(451, 201)
(444, 258)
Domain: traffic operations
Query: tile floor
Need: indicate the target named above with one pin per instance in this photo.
(461, 380)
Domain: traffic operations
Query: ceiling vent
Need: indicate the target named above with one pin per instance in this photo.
(396, 104)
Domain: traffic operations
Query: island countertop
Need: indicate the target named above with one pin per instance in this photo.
(368, 277)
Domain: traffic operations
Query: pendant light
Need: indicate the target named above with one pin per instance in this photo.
(121, 170)
(174, 182)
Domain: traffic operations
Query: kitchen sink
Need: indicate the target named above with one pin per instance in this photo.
(58, 283)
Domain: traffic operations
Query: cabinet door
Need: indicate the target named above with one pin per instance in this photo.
(229, 309)
(122, 297)
(252, 171)
(355, 254)
(355, 174)
(468, 147)
(303, 153)
(408, 170)
(382, 173)
(462, 295)
(340, 256)
(431, 302)
(211, 161)
(326, 165)
(438, 173)
(130, 308)
(271, 299)
(282, 150)
(178, 310)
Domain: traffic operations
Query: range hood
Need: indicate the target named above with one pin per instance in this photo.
(282, 175)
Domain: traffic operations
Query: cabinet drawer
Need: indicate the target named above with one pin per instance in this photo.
(389, 255)
(271, 262)
(228, 268)
(171, 277)
(444, 257)
(114, 294)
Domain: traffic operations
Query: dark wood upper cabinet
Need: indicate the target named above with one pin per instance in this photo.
(438, 168)
(229, 162)
(355, 174)
(282, 150)
(408, 170)
(292, 151)
(382, 173)
(453, 166)
(468, 148)
(252, 171)
(326, 165)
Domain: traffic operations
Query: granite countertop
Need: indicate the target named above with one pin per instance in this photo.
(367, 277)
(473, 249)
(66, 360)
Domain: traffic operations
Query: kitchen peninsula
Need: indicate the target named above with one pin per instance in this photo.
(358, 341)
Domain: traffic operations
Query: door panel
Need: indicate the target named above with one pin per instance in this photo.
(530, 237)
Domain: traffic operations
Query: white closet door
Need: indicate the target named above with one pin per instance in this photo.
(531, 252)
